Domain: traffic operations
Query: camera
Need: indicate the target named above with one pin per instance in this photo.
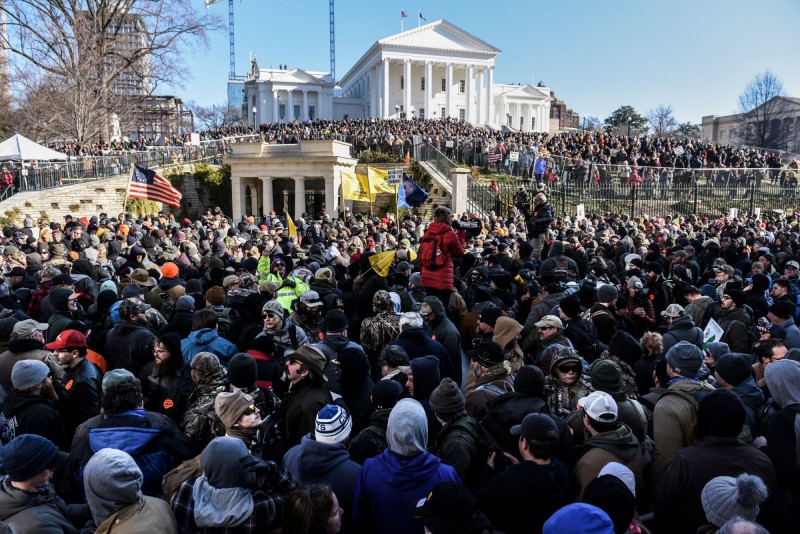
(472, 227)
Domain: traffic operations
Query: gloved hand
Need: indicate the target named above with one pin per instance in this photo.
(257, 473)
(289, 283)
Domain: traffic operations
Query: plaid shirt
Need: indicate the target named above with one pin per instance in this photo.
(267, 509)
(35, 305)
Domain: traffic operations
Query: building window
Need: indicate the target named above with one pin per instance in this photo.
(444, 111)
(508, 120)
(462, 87)
(522, 123)
(422, 84)
(533, 123)
(462, 114)
(282, 111)
(444, 85)
(297, 112)
(402, 82)
(312, 113)
(421, 113)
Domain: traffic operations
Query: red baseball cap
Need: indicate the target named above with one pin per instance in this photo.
(68, 339)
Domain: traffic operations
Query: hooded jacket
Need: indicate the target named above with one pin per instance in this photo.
(506, 331)
(464, 444)
(61, 315)
(618, 445)
(682, 329)
(445, 332)
(129, 346)
(207, 340)
(561, 398)
(404, 473)
(451, 246)
(417, 342)
(329, 463)
(28, 413)
(286, 342)
(43, 512)
(113, 484)
(782, 379)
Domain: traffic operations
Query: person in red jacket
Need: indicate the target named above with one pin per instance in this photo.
(438, 246)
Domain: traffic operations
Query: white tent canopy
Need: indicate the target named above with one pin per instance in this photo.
(21, 148)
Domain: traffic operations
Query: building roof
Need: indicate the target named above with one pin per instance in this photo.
(439, 35)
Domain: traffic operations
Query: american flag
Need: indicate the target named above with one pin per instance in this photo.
(147, 184)
(403, 14)
(494, 155)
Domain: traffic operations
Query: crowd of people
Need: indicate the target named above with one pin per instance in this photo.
(517, 373)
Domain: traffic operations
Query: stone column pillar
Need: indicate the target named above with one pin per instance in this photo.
(331, 196)
(373, 93)
(490, 118)
(385, 93)
(304, 112)
(275, 107)
(480, 91)
(237, 198)
(253, 199)
(267, 196)
(459, 178)
(468, 113)
(407, 88)
(299, 196)
(448, 106)
(289, 106)
(428, 89)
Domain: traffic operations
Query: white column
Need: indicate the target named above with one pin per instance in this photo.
(253, 199)
(237, 198)
(331, 197)
(275, 108)
(448, 91)
(267, 201)
(407, 87)
(373, 93)
(299, 196)
(428, 89)
(289, 105)
(385, 80)
(304, 112)
(490, 118)
(468, 113)
(479, 90)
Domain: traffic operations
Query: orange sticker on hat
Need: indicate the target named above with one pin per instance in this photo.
(168, 404)
(68, 386)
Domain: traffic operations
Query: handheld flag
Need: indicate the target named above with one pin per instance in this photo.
(292, 227)
(378, 182)
(147, 184)
(355, 187)
(410, 195)
(381, 262)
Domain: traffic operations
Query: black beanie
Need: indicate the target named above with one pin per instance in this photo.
(242, 371)
(625, 347)
(721, 414)
(606, 376)
(571, 306)
(529, 381)
(653, 266)
(734, 368)
(612, 496)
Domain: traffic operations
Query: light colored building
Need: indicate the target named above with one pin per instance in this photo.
(298, 178)
(433, 71)
(731, 129)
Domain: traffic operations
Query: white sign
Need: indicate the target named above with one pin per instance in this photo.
(733, 213)
(194, 139)
(757, 213)
(513, 156)
(580, 211)
(395, 176)
(679, 151)
(448, 144)
(712, 333)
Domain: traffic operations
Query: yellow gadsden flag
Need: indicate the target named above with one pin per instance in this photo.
(379, 181)
(355, 187)
(381, 262)
(292, 227)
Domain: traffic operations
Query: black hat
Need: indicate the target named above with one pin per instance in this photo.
(529, 381)
(335, 321)
(488, 354)
(782, 309)
(447, 508)
(654, 266)
(720, 414)
(242, 371)
(734, 368)
(386, 393)
(16, 271)
(611, 495)
(571, 306)
(490, 315)
(606, 376)
(737, 296)
(501, 280)
(29, 454)
(537, 427)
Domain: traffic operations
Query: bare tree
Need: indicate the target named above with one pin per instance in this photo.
(593, 123)
(101, 51)
(216, 116)
(662, 120)
(762, 110)
(689, 130)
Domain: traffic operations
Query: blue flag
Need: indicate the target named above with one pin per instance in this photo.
(410, 195)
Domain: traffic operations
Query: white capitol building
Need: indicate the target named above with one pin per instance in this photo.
(432, 71)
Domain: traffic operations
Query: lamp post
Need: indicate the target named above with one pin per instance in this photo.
(254, 116)
(583, 116)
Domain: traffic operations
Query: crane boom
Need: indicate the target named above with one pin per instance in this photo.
(231, 35)
(333, 45)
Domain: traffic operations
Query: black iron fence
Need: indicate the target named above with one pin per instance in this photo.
(705, 200)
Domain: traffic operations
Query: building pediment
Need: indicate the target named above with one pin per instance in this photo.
(297, 76)
(522, 91)
(439, 35)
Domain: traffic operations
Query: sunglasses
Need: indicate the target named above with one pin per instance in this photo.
(250, 410)
(270, 315)
(568, 368)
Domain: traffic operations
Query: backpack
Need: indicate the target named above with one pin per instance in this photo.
(491, 388)
(8, 428)
(225, 320)
(185, 471)
(430, 253)
(589, 316)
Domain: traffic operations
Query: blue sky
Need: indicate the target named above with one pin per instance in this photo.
(696, 55)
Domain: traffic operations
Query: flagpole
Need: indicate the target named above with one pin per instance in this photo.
(127, 189)
(402, 10)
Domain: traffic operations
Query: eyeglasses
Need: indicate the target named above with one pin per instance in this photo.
(250, 410)
(568, 368)
(270, 315)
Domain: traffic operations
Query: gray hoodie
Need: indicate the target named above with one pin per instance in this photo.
(407, 430)
(783, 380)
(112, 481)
